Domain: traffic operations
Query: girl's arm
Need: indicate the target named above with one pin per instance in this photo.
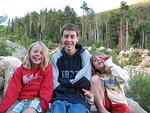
(46, 90)
(12, 92)
(120, 74)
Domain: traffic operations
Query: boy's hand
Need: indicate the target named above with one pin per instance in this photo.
(88, 93)
(89, 96)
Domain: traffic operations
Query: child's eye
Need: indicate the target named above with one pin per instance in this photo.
(94, 60)
(100, 57)
(66, 36)
(41, 53)
(72, 36)
(35, 51)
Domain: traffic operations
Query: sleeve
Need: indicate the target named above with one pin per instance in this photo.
(46, 90)
(55, 68)
(83, 77)
(121, 75)
(12, 92)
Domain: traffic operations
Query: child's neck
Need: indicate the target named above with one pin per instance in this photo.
(71, 52)
(36, 66)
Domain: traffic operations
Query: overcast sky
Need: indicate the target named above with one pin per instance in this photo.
(19, 8)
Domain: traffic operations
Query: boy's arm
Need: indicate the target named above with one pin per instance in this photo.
(55, 69)
(82, 79)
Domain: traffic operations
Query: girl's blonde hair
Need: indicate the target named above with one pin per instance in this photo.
(95, 71)
(27, 63)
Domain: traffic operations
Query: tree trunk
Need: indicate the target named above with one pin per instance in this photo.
(120, 42)
(127, 33)
(143, 35)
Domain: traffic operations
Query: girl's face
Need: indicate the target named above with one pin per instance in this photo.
(36, 55)
(98, 61)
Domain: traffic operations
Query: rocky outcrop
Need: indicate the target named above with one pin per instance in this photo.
(8, 65)
(143, 54)
(1, 83)
(134, 107)
(18, 50)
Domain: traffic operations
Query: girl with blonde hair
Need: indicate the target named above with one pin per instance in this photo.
(31, 86)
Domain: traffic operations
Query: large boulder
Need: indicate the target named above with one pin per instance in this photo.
(8, 64)
(1, 83)
(133, 105)
(19, 50)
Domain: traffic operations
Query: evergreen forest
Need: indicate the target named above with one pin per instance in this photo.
(122, 28)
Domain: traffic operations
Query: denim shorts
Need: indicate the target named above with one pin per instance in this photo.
(20, 105)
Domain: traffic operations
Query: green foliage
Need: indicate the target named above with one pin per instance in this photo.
(120, 28)
(43, 26)
(93, 50)
(126, 55)
(139, 89)
(134, 58)
(49, 44)
(25, 41)
(2, 31)
(4, 50)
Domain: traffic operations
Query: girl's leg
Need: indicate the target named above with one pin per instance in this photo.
(97, 87)
(10, 112)
(29, 110)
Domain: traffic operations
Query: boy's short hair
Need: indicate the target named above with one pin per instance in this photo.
(70, 27)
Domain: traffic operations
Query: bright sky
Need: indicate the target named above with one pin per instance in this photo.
(19, 8)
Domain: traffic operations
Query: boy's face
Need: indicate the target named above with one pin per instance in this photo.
(69, 40)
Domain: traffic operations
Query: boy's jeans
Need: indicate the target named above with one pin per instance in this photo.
(59, 106)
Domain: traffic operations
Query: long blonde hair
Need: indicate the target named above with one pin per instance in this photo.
(27, 63)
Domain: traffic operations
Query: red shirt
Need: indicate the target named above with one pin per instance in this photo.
(29, 84)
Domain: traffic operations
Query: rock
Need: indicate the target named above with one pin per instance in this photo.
(19, 50)
(8, 64)
(133, 105)
(1, 83)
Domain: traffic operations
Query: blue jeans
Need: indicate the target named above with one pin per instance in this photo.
(59, 106)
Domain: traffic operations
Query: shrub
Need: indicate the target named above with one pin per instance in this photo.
(134, 58)
(4, 50)
(139, 89)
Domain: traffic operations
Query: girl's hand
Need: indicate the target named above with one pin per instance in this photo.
(106, 58)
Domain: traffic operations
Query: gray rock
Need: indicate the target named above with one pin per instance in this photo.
(133, 105)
